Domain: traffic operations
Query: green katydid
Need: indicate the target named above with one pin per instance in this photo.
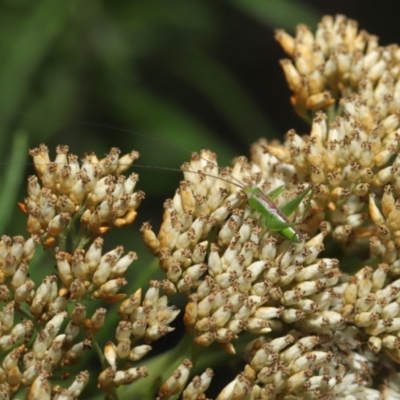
(275, 218)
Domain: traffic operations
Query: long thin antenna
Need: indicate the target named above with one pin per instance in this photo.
(148, 167)
(152, 137)
(145, 135)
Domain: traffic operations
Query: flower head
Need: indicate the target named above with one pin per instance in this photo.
(96, 192)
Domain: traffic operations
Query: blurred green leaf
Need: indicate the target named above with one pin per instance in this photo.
(221, 88)
(285, 14)
(13, 177)
(30, 47)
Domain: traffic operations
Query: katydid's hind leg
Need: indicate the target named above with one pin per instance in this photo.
(289, 207)
(276, 226)
(285, 229)
(271, 225)
(265, 225)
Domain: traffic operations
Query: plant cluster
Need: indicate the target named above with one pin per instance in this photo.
(321, 318)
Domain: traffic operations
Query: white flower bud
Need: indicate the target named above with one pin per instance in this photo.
(139, 352)
(177, 381)
(79, 384)
(110, 354)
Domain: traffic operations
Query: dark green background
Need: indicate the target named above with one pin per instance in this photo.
(194, 73)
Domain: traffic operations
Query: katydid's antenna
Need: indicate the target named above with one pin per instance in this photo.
(149, 167)
(145, 135)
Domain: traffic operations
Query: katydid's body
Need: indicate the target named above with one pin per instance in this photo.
(273, 218)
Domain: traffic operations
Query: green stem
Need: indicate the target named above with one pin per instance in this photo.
(83, 242)
(331, 113)
(25, 313)
(160, 368)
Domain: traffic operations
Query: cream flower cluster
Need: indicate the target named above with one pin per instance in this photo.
(323, 330)
(87, 273)
(95, 191)
(302, 366)
(336, 61)
(46, 326)
(58, 329)
(250, 279)
(351, 154)
(24, 365)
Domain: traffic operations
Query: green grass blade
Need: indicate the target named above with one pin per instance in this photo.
(13, 177)
(30, 46)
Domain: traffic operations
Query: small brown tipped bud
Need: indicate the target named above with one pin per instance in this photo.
(110, 354)
(40, 388)
(177, 381)
(150, 238)
(79, 384)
